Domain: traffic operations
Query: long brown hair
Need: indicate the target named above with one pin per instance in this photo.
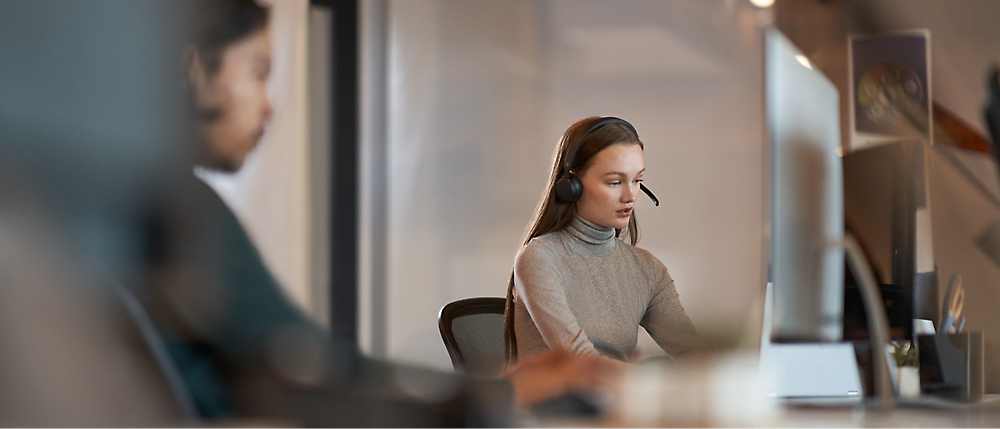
(554, 214)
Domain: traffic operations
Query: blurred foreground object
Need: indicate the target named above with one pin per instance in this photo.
(91, 126)
(724, 391)
(71, 355)
(549, 375)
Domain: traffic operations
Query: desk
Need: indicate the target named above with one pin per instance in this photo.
(982, 415)
(986, 414)
(727, 392)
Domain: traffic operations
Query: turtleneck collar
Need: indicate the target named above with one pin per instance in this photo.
(591, 233)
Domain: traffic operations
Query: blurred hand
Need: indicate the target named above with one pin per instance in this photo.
(558, 372)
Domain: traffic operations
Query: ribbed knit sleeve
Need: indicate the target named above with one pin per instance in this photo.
(541, 289)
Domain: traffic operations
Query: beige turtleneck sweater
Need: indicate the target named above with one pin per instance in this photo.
(586, 290)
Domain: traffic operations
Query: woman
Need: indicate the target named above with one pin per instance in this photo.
(576, 284)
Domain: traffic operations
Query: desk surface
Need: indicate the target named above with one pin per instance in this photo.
(799, 417)
(981, 415)
(986, 414)
(727, 391)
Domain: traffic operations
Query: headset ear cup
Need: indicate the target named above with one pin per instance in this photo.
(569, 188)
(577, 186)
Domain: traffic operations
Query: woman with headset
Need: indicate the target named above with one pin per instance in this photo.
(576, 283)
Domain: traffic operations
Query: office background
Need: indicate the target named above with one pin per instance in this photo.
(462, 103)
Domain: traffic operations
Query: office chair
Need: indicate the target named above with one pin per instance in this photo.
(472, 330)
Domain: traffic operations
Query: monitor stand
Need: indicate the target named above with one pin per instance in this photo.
(807, 372)
(823, 370)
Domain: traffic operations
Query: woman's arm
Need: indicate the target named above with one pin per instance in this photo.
(665, 319)
(558, 372)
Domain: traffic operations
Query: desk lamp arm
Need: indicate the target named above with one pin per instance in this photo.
(878, 322)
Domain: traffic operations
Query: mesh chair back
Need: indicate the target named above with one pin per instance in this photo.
(472, 330)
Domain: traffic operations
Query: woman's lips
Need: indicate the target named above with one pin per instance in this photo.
(624, 212)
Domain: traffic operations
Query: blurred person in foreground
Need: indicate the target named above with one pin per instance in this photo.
(242, 349)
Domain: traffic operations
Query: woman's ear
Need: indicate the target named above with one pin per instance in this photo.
(198, 83)
(197, 79)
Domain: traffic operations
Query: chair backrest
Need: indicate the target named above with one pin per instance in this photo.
(472, 330)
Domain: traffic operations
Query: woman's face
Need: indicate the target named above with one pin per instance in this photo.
(238, 92)
(611, 185)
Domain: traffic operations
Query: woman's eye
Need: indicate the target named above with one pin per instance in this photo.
(615, 183)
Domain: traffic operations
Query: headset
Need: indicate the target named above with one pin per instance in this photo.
(569, 188)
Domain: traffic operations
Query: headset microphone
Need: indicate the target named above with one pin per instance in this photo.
(569, 188)
(649, 194)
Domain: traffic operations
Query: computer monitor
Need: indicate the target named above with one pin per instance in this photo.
(807, 206)
(880, 212)
(992, 110)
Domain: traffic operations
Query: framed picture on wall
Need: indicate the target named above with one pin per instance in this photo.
(890, 87)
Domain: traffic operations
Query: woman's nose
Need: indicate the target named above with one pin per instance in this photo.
(631, 192)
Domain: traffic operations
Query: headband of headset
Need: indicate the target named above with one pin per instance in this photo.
(568, 187)
(568, 162)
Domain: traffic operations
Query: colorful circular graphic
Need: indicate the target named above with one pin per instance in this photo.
(887, 92)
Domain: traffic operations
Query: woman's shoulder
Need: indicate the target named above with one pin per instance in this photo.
(539, 248)
(539, 245)
(546, 240)
(646, 258)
